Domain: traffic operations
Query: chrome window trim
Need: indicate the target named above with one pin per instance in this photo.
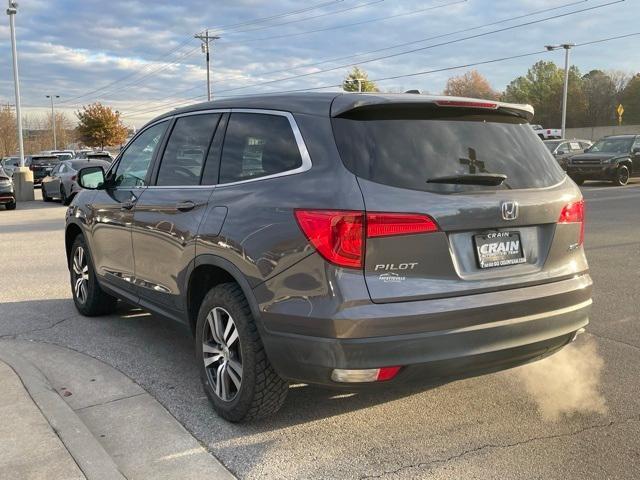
(297, 134)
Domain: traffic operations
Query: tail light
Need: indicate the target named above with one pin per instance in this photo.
(574, 213)
(340, 235)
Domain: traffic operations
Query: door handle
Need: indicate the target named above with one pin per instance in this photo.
(185, 206)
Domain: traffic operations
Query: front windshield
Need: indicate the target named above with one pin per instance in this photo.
(612, 145)
(551, 145)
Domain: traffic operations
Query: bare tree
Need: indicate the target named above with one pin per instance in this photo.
(8, 131)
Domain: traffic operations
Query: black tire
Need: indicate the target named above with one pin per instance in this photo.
(63, 196)
(10, 206)
(90, 299)
(45, 197)
(622, 176)
(261, 391)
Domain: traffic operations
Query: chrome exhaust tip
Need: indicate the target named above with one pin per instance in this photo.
(580, 331)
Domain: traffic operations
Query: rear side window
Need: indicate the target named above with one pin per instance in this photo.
(257, 145)
(187, 149)
(405, 150)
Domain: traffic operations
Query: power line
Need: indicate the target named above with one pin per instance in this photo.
(406, 52)
(132, 74)
(347, 25)
(393, 47)
(406, 75)
(273, 17)
(320, 15)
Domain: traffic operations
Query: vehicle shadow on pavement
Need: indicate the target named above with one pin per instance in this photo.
(38, 205)
(159, 354)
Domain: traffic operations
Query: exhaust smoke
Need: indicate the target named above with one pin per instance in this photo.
(568, 382)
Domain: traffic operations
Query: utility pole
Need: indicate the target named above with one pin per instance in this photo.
(22, 176)
(206, 39)
(12, 11)
(567, 47)
(53, 120)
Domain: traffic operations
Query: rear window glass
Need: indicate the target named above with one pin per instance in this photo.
(406, 152)
(257, 145)
(44, 160)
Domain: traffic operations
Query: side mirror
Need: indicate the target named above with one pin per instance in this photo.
(91, 178)
(561, 152)
(636, 151)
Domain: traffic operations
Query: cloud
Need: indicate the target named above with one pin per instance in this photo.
(73, 47)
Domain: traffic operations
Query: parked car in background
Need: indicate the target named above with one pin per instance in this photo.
(61, 183)
(9, 164)
(83, 153)
(546, 133)
(61, 154)
(615, 158)
(563, 149)
(41, 166)
(99, 156)
(7, 193)
(336, 239)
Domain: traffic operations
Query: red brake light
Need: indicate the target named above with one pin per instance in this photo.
(574, 213)
(387, 373)
(466, 104)
(388, 224)
(339, 235)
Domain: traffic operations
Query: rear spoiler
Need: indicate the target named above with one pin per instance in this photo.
(354, 102)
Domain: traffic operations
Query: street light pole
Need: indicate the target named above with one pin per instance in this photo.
(12, 11)
(567, 47)
(53, 121)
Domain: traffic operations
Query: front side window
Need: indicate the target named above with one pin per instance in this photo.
(135, 161)
(186, 150)
(257, 145)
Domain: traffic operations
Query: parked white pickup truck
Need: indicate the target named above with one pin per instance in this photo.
(547, 133)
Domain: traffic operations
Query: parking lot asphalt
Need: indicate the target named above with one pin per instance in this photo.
(575, 415)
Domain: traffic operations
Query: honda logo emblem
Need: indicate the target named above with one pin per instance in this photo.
(509, 210)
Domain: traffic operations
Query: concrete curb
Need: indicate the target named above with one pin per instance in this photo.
(87, 452)
(110, 425)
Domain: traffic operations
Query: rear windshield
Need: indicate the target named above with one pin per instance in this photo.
(406, 152)
(44, 160)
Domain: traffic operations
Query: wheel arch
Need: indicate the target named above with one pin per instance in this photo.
(70, 234)
(206, 272)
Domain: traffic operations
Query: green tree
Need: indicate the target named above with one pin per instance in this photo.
(358, 80)
(471, 84)
(542, 87)
(631, 101)
(100, 126)
(600, 95)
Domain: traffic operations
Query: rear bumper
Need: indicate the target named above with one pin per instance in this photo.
(464, 336)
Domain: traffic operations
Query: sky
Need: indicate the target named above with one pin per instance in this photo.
(141, 57)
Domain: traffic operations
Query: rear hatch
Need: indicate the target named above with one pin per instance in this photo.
(499, 234)
(41, 166)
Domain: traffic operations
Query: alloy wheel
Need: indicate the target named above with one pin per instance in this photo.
(221, 354)
(80, 275)
(623, 176)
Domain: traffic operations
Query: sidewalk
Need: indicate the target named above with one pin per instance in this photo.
(69, 416)
(29, 448)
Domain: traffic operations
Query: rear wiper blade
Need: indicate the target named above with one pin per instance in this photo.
(471, 179)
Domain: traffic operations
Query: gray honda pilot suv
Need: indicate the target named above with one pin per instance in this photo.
(337, 239)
